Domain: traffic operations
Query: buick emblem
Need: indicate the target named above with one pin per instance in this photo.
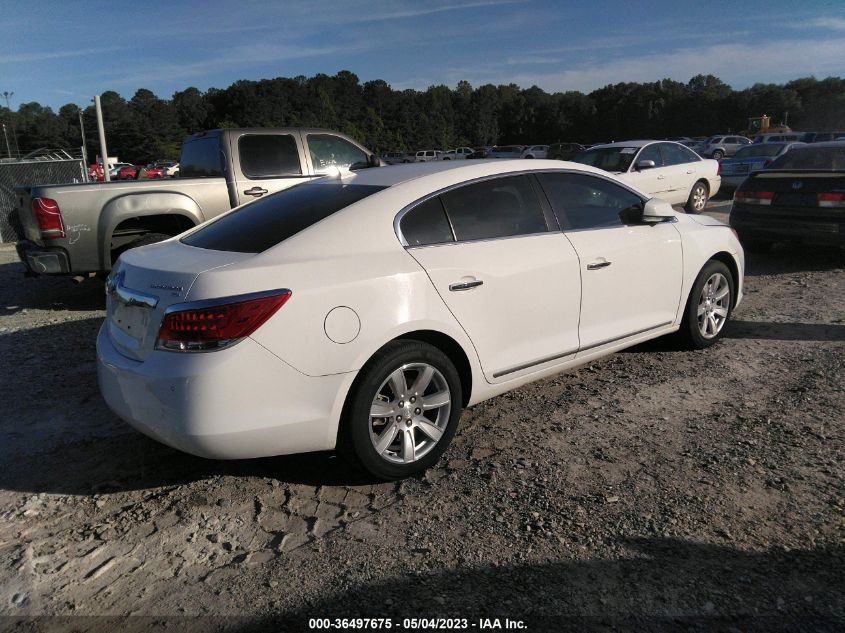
(797, 184)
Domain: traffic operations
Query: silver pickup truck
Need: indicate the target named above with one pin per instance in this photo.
(82, 228)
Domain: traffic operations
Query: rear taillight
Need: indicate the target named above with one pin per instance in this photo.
(831, 200)
(719, 169)
(212, 326)
(754, 197)
(49, 218)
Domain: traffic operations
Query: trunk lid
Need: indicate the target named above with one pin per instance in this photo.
(795, 191)
(149, 280)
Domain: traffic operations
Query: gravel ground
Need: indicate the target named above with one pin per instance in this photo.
(657, 489)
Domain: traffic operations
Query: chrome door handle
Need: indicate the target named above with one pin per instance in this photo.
(465, 285)
(255, 191)
(598, 265)
(661, 177)
(690, 171)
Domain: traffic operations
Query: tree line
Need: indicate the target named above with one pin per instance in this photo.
(147, 128)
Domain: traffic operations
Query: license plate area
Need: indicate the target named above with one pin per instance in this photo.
(134, 321)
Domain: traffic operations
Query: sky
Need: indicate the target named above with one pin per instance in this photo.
(56, 52)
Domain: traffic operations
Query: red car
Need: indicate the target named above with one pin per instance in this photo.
(131, 172)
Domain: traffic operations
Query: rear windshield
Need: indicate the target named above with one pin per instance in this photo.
(822, 158)
(762, 149)
(264, 223)
(201, 158)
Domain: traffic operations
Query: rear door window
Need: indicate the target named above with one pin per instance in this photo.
(652, 152)
(426, 224)
(262, 224)
(268, 156)
(675, 154)
(500, 207)
(201, 158)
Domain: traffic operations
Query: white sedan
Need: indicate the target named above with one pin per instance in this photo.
(364, 311)
(664, 169)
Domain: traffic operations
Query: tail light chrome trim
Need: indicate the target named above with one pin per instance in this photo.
(206, 341)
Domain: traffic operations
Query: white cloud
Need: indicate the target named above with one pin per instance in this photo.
(739, 65)
(834, 24)
(45, 55)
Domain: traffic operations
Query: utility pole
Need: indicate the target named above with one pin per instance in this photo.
(7, 96)
(101, 129)
(6, 136)
(84, 148)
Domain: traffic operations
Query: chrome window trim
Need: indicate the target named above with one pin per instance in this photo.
(219, 301)
(481, 240)
(527, 172)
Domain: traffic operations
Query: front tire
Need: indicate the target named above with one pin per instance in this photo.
(718, 155)
(698, 197)
(402, 412)
(709, 306)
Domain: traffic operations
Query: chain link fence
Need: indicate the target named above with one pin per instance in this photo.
(34, 172)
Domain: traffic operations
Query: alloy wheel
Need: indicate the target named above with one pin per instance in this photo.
(699, 197)
(409, 413)
(713, 305)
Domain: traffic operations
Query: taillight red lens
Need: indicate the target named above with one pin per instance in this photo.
(49, 218)
(754, 197)
(216, 326)
(831, 200)
(719, 169)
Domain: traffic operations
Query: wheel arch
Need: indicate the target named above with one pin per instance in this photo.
(443, 342)
(728, 260)
(154, 212)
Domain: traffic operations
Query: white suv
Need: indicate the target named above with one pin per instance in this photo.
(461, 153)
(426, 155)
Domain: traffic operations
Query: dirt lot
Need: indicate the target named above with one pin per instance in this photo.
(657, 489)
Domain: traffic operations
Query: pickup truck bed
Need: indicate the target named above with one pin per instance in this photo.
(82, 228)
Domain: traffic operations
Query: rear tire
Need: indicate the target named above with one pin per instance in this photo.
(415, 392)
(718, 155)
(708, 307)
(698, 197)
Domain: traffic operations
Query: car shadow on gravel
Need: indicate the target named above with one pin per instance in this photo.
(58, 436)
(792, 258)
(768, 330)
(683, 586)
(47, 293)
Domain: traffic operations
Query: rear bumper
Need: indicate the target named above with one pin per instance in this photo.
(760, 227)
(241, 402)
(43, 260)
(733, 181)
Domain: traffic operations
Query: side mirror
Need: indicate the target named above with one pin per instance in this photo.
(656, 211)
(644, 164)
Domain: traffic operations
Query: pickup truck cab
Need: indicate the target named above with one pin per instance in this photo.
(83, 228)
